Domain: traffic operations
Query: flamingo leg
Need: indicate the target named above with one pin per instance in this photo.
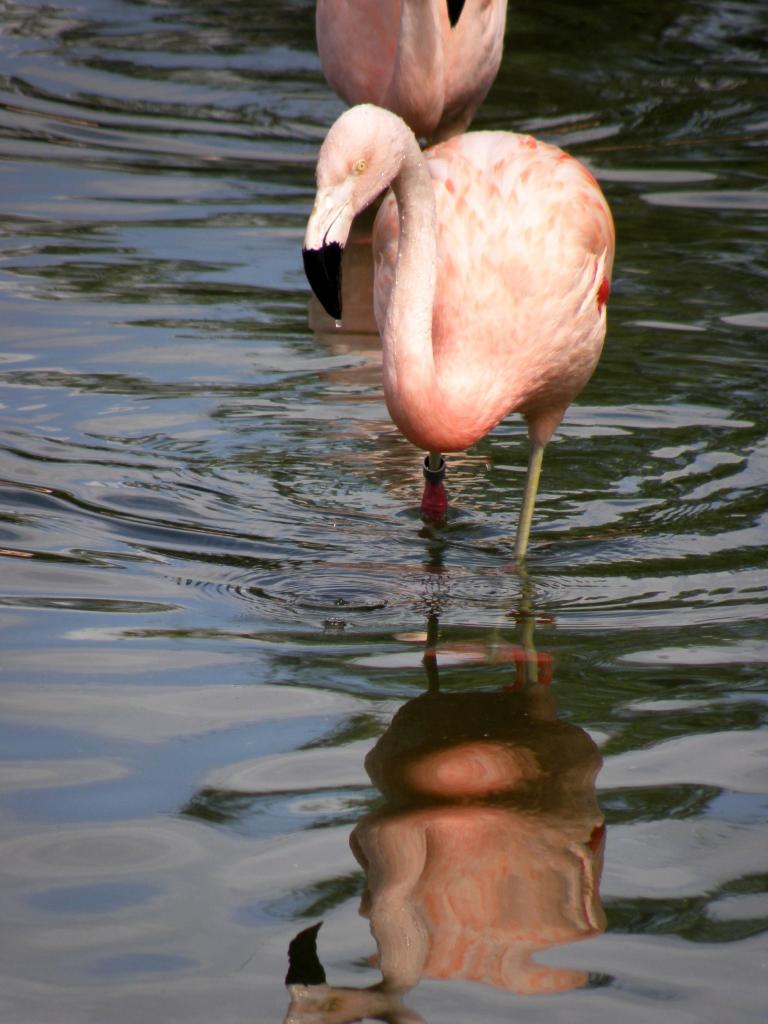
(529, 499)
(527, 619)
(434, 500)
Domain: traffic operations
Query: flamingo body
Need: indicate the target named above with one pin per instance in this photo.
(406, 55)
(524, 246)
(492, 262)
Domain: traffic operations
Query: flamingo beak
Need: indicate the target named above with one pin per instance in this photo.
(323, 269)
(327, 230)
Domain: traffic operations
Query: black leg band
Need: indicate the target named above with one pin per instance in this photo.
(434, 476)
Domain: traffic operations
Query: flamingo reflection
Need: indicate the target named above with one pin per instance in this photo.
(488, 847)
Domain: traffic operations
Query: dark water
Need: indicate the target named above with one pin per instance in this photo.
(216, 588)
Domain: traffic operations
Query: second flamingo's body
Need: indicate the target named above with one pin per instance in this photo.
(430, 61)
(493, 256)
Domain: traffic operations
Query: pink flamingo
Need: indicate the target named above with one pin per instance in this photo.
(492, 255)
(430, 61)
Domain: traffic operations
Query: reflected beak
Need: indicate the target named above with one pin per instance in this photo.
(304, 967)
(455, 7)
(323, 269)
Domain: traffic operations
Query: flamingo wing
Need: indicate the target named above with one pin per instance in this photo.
(525, 248)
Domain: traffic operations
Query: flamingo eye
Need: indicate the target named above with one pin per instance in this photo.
(360, 166)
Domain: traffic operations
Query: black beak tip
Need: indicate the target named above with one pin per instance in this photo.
(323, 269)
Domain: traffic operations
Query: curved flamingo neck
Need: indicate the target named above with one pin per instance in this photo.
(410, 381)
(435, 411)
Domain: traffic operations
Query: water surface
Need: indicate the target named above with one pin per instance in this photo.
(216, 590)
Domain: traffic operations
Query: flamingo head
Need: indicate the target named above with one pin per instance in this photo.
(359, 159)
